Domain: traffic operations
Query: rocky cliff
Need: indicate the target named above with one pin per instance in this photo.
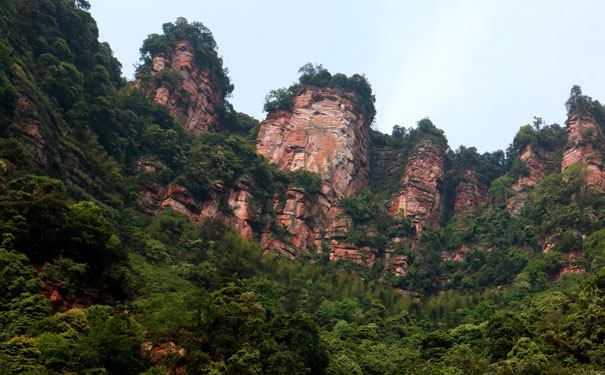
(328, 133)
(538, 162)
(469, 192)
(583, 147)
(324, 133)
(189, 89)
(241, 213)
(421, 195)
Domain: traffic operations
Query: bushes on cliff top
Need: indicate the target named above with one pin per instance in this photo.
(318, 76)
(201, 39)
(584, 105)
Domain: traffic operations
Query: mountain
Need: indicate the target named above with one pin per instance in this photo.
(149, 227)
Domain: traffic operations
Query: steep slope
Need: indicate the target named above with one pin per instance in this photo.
(538, 162)
(325, 133)
(585, 140)
(469, 192)
(421, 196)
(190, 89)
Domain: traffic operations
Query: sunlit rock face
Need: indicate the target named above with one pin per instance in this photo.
(469, 192)
(324, 133)
(189, 89)
(583, 147)
(421, 195)
(328, 133)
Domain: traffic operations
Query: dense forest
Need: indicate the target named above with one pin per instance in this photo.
(156, 293)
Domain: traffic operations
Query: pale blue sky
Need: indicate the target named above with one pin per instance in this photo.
(478, 69)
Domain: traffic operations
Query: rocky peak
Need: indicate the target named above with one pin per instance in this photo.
(421, 195)
(583, 147)
(189, 89)
(325, 133)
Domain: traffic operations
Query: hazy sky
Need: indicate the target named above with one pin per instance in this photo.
(478, 69)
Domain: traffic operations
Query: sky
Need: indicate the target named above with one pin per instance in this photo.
(479, 69)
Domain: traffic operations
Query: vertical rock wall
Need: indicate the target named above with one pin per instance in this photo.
(583, 147)
(537, 161)
(194, 101)
(469, 192)
(326, 133)
(421, 195)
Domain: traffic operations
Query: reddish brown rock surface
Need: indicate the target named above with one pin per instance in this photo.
(583, 147)
(85, 296)
(397, 264)
(538, 162)
(469, 192)
(420, 199)
(241, 216)
(325, 133)
(195, 100)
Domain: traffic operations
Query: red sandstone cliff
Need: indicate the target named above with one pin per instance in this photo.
(538, 162)
(326, 133)
(584, 137)
(469, 192)
(191, 93)
(421, 196)
(242, 214)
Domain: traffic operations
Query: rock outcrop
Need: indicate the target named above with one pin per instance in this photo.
(189, 89)
(242, 214)
(583, 147)
(469, 192)
(421, 196)
(539, 163)
(34, 120)
(327, 133)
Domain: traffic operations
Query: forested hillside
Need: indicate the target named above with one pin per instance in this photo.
(147, 227)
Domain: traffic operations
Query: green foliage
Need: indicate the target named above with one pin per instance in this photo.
(201, 40)
(361, 207)
(583, 105)
(309, 181)
(318, 76)
(206, 290)
(279, 100)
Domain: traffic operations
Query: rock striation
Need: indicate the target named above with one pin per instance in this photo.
(469, 192)
(328, 133)
(421, 195)
(538, 162)
(190, 90)
(584, 137)
(242, 214)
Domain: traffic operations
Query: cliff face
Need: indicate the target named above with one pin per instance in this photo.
(189, 90)
(242, 212)
(469, 193)
(584, 137)
(421, 196)
(538, 162)
(325, 133)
